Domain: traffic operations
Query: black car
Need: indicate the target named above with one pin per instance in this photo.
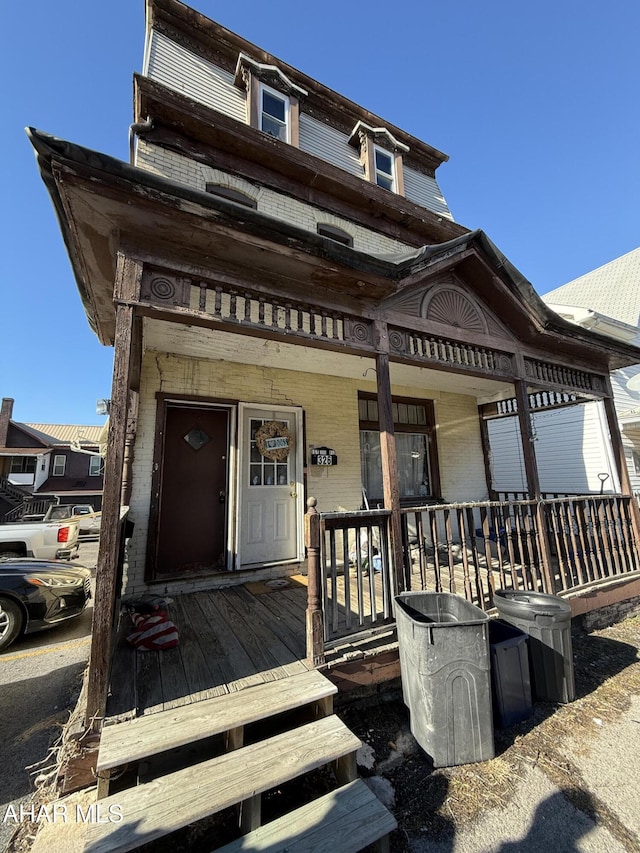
(38, 594)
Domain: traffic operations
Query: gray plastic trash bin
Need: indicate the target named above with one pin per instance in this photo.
(446, 683)
(547, 620)
(510, 679)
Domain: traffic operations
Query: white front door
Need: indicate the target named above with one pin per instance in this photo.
(270, 486)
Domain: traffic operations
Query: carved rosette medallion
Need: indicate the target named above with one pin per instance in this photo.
(503, 363)
(165, 289)
(397, 341)
(358, 332)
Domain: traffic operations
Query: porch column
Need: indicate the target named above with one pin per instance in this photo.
(533, 480)
(388, 455)
(621, 462)
(125, 367)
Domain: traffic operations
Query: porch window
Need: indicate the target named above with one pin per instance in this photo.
(23, 465)
(59, 466)
(414, 426)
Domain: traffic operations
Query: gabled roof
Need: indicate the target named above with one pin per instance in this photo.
(612, 290)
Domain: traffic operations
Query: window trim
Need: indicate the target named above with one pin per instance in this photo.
(56, 458)
(428, 429)
(281, 96)
(378, 172)
(92, 461)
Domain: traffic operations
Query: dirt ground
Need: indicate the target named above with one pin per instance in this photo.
(435, 806)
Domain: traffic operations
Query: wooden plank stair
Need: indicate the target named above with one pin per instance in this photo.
(239, 776)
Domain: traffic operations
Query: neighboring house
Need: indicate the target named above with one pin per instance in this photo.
(295, 313)
(47, 463)
(573, 446)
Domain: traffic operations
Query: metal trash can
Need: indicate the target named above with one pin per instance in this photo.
(443, 642)
(510, 679)
(547, 620)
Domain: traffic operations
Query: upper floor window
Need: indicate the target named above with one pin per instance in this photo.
(385, 171)
(232, 194)
(59, 466)
(274, 113)
(333, 233)
(95, 466)
(381, 156)
(273, 99)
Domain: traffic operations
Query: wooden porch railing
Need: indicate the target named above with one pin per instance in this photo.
(470, 549)
(350, 580)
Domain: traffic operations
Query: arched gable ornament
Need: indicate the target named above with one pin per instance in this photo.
(449, 305)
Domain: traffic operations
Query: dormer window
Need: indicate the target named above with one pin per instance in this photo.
(274, 113)
(273, 99)
(380, 155)
(385, 168)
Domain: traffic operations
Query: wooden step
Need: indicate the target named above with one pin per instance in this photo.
(134, 740)
(345, 820)
(185, 796)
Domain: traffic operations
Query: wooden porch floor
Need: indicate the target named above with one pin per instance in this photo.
(230, 639)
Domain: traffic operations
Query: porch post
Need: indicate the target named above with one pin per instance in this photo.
(388, 455)
(533, 481)
(128, 275)
(621, 462)
(315, 626)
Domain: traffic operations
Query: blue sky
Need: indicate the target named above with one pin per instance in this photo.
(536, 105)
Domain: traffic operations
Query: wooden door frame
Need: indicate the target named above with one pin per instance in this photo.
(298, 414)
(163, 401)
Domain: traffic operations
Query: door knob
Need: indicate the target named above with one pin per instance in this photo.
(222, 497)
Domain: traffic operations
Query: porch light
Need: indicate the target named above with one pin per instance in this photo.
(102, 407)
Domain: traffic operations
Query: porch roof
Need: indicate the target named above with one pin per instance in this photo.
(99, 200)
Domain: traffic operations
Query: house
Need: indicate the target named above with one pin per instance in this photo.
(42, 464)
(297, 317)
(573, 449)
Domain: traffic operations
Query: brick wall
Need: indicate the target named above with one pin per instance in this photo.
(181, 169)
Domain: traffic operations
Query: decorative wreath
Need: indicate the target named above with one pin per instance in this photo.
(272, 429)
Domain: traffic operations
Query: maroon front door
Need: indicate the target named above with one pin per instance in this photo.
(192, 519)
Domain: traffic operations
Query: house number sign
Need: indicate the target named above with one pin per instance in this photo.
(323, 456)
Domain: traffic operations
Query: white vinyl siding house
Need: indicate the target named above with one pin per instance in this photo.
(180, 69)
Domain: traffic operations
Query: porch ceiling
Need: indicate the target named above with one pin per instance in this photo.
(198, 342)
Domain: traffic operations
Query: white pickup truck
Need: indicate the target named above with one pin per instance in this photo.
(89, 521)
(40, 539)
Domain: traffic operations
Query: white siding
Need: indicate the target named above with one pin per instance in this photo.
(423, 190)
(572, 447)
(626, 399)
(183, 71)
(329, 144)
(191, 75)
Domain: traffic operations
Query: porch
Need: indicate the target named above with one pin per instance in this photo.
(337, 614)
(231, 639)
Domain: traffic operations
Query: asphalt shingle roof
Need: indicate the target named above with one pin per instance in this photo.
(613, 290)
